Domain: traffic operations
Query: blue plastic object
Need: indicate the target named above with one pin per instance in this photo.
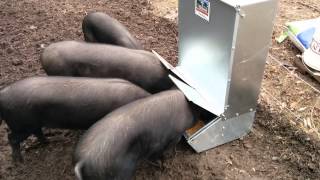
(305, 37)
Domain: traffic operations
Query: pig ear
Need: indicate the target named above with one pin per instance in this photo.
(78, 170)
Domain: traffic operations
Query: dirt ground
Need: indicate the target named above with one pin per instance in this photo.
(280, 146)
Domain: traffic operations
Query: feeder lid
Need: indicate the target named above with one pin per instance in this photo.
(185, 85)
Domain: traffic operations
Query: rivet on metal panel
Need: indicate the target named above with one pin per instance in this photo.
(242, 14)
(237, 114)
(223, 127)
(222, 135)
(251, 109)
(238, 9)
(223, 117)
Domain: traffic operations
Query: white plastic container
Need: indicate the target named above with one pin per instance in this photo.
(312, 56)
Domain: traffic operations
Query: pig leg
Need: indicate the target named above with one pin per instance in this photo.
(158, 154)
(156, 158)
(14, 140)
(39, 134)
(127, 167)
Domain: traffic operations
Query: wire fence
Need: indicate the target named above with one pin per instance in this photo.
(292, 94)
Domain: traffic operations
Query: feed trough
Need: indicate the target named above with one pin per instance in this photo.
(223, 45)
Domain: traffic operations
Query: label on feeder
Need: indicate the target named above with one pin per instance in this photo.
(202, 9)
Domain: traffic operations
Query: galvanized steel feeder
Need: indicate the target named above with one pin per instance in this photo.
(223, 45)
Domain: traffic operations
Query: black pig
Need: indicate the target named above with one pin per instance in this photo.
(71, 58)
(60, 102)
(143, 129)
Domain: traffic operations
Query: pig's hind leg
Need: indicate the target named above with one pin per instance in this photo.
(14, 140)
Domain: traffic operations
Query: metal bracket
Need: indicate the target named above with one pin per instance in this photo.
(241, 13)
(221, 131)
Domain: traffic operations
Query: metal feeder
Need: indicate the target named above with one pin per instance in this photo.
(223, 45)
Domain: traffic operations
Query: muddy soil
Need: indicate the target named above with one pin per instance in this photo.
(277, 148)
